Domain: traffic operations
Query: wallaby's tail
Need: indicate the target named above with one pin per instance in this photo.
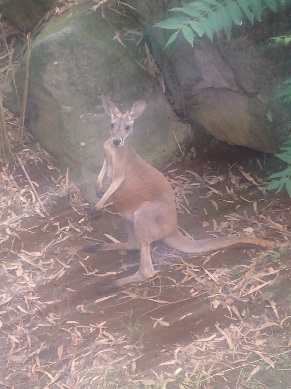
(186, 245)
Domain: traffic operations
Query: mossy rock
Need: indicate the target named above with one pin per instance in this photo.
(74, 60)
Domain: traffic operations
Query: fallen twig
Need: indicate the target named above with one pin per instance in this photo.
(31, 184)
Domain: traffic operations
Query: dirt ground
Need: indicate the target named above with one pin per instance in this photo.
(220, 320)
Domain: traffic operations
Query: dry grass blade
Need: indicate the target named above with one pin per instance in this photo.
(265, 358)
(31, 184)
(4, 137)
(226, 336)
(25, 91)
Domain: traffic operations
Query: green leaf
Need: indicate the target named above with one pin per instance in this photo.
(288, 187)
(286, 157)
(287, 144)
(206, 17)
(235, 12)
(275, 175)
(285, 91)
(208, 30)
(272, 4)
(172, 39)
(274, 185)
(188, 34)
(226, 20)
(202, 6)
(189, 9)
(212, 2)
(214, 22)
(173, 23)
(280, 184)
(197, 27)
(245, 7)
(257, 8)
(283, 174)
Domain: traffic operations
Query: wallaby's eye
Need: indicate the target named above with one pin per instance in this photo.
(127, 127)
(112, 126)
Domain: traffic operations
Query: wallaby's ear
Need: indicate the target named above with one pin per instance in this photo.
(137, 109)
(109, 107)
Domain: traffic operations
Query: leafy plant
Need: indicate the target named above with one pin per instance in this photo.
(277, 181)
(281, 40)
(285, 91)
(207, 17)
(282, 179)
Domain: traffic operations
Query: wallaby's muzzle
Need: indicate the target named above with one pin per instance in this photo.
(117, 142)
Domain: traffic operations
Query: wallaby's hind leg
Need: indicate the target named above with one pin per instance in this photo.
(149, 225)
(145, 270)
(131, 243)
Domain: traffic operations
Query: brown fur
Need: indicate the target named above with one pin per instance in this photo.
(145, 198)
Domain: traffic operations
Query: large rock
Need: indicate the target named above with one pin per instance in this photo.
(76, 58)
(227, 86)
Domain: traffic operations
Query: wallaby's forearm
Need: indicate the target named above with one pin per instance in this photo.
(112, 188)
(102, 173)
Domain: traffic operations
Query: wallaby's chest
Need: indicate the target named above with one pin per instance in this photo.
(141, 182)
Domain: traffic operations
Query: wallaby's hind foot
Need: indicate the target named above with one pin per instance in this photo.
(115, 286)
(134, 278)
(145, 270)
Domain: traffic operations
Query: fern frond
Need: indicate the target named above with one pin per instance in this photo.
(277, 181)
(281, 40)
(285, 91)
(209, 17)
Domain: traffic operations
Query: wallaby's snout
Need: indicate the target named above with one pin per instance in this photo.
(120, 132)
(117, 142)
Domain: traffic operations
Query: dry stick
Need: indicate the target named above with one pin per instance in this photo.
(2, 132)
(4, 137)
(5, 141)
(11, 68)
(178, 143)
(23, 110)
(31, 184)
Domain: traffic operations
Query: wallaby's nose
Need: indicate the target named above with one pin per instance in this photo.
(116, 142)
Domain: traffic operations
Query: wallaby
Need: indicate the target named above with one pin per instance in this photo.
(145, 199)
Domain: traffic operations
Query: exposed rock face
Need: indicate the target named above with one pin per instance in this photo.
(75, 59)
(228, 87)
(235, 103)
(232, 117)
(24, 14)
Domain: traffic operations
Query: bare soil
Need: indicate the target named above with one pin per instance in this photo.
(205, 321)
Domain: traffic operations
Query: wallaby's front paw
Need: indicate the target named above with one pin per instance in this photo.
(99, 206)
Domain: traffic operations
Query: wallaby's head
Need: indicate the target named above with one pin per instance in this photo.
(122, 124)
